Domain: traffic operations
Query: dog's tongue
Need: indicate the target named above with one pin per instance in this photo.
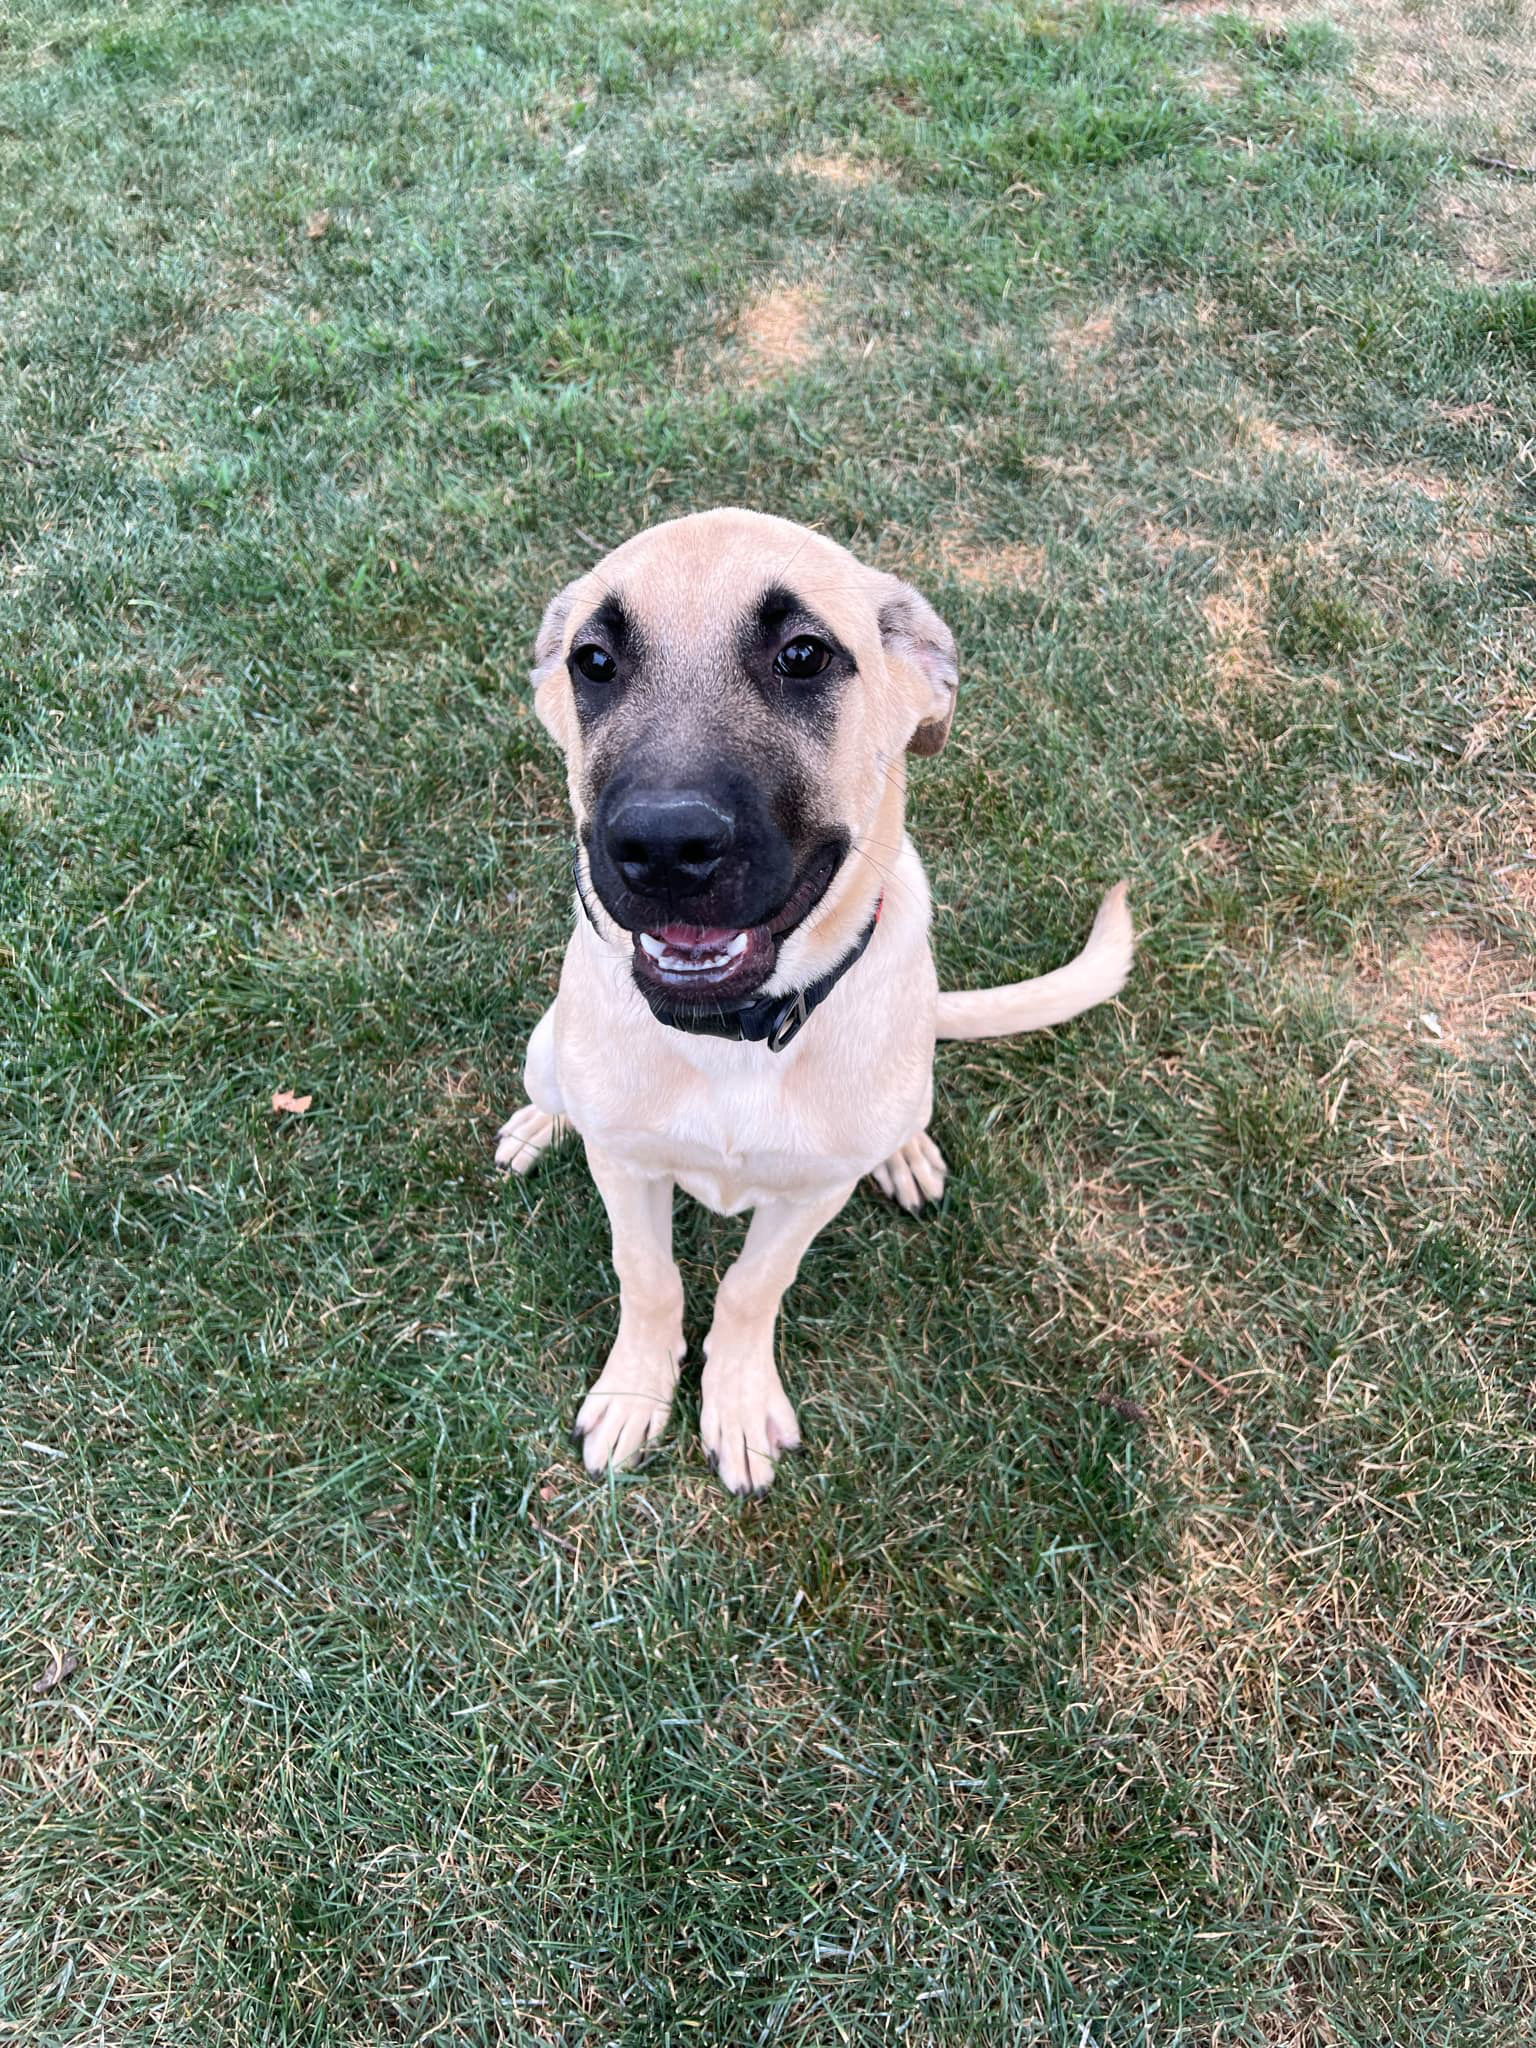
(700, 938)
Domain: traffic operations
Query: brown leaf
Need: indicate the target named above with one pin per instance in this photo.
(1123, 1406)
(293, 1105)
(317, 224)
(61, 1664)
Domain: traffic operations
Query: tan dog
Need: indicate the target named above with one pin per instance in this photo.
(748, 1005)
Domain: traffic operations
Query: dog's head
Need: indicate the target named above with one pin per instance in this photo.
(734, 695)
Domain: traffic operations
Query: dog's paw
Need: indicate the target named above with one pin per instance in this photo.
(915, 1173)
(524, 1138)
(746, 1425)
(626, 1410)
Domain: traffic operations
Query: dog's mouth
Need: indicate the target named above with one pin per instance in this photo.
(718, 964)
(701, 956)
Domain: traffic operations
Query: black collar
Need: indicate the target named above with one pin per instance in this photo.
(766, 1020)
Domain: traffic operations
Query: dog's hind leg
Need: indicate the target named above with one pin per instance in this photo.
(632, 1396)
(915, 1173)
(525, 1137)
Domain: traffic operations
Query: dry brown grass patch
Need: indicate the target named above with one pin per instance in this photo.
(775, 333)
(1469, 534)
(978, 562)
(1416, 1020)
(1506, 693)
(1521, 883)
(1165, 543)
(1493, 228)
(1206, 1642)
(1242, 1649)
(832, 41)
(1468, 69)
(1469, 512)
(174, 694)
(846, 172)
(331, 934)
(1450, 988)
(1481, 1711)
(1218, 81)
(1079, 343)
(1152, 1296)
(1237, 618)
(1213, 850)
(1276, 438)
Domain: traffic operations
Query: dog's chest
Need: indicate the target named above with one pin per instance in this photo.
(734, 1140)
(738, 1125)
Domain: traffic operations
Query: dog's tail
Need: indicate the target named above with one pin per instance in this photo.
(1096, 974)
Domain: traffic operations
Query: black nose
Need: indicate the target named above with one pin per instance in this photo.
(668, 842)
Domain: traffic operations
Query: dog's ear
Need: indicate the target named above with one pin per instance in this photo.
(553, 705)
(914, 635)
(551, 634)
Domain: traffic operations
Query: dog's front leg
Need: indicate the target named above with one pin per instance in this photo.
(746, 1421)
(632, 1398)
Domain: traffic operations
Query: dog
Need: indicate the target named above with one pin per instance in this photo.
(748, 1005)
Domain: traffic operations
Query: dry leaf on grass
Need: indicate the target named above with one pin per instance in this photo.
(317, 224)
(61, 1664)
(293, 1105)
(1123, 1406)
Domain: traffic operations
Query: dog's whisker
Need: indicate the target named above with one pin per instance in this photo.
(892, 879)
(799, 549)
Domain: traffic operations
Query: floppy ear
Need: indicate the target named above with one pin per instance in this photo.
(914, 635)
(553, 706)
(551, 633)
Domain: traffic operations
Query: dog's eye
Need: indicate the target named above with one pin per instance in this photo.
(595, 663)
(802, 657)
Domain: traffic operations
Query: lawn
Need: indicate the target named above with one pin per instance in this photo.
(1144, 1652)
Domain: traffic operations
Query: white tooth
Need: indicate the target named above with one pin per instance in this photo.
(655, 947)
(737, 945)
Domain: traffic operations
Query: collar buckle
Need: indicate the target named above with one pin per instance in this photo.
(788, 1021)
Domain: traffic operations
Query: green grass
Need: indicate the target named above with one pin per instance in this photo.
(1143, 1651)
